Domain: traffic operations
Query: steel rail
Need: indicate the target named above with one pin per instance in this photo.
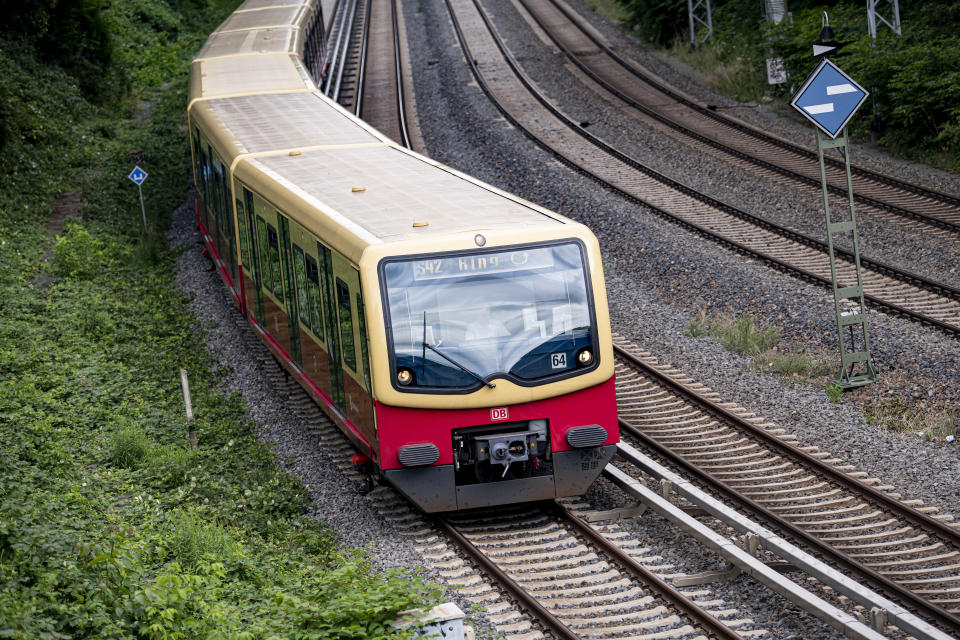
(877, 176)
(875, 265)
(665, 591)
(552, 622)
(533, 607)
(361, 73)
(680, 127)
(345, 42)
(335, 52)
(401, 100)
(906, 277)
(916, 518)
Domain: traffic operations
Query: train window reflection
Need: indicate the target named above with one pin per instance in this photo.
(522, 314)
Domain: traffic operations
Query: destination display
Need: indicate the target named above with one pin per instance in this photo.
(434, 268)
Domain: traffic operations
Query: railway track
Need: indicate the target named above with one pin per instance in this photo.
(741, 143)
(901, 549)
(500, 77)
(382, 100)
(591, 579)
(580, 583)
(545, 562)
(540, 561)
(343, 82)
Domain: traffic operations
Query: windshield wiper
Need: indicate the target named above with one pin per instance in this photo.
(454, 362)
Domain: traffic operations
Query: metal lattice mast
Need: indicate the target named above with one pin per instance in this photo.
(856, 363)
(699, 13)
(874, 14)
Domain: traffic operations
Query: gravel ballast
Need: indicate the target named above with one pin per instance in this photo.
(658, 277)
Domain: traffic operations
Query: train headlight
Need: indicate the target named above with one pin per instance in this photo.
(585, 358)
(405, 377)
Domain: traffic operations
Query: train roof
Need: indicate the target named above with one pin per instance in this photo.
(250, 42)
(273, 16)
(331, 172)
(390, 194)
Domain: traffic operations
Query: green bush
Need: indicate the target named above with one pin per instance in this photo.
(914, 78)
(110, 527)
(77, 253)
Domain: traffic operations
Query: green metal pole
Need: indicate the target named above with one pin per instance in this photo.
(847, 378)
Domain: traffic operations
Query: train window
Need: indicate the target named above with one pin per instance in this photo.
(262, 245)
(347, 346)
(524, 314)
(313, 291)
(300, 276)
(362, 321)
(276, 273)
(245, 251)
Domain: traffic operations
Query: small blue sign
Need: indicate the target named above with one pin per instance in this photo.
(829, 98)
(138, 175)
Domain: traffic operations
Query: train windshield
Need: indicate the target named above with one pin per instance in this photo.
(456, 321)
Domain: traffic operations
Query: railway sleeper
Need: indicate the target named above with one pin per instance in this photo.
(812, 510)
(902, 549)
(786, 499)
(768, 490)
(944, 557)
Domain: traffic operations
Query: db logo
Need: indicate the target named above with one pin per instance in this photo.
(499, 414)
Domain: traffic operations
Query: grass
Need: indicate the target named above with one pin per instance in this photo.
(796, 365)
(731, 76)
(610, 10)
(903, 416)
(741, 334)
(128, 447)
(192, 538)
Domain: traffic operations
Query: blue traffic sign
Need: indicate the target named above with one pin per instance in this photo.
(829, 98)
(138, 175)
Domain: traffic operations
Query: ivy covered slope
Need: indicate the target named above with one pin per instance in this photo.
(111, 526)
(914, 78)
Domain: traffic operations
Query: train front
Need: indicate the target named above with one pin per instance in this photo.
(495, 380)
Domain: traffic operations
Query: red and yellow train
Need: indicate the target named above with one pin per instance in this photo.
(458, 335)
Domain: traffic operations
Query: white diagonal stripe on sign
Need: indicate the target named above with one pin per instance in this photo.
(840, 88)
(814, 109)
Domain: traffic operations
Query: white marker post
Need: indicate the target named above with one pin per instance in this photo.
(138, 175)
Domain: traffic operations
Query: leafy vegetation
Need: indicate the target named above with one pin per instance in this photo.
(111, 525)
(914, 78)
(834, 392)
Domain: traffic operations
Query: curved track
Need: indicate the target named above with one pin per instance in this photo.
(515, 96)
(896, 548)
(743, 144)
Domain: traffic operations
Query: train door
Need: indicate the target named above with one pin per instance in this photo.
(358, 402)
(248, 253)
(310, 307)
(333, 332)
(227, 239)
(291, 296)
(202, 179)
(270, 264)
